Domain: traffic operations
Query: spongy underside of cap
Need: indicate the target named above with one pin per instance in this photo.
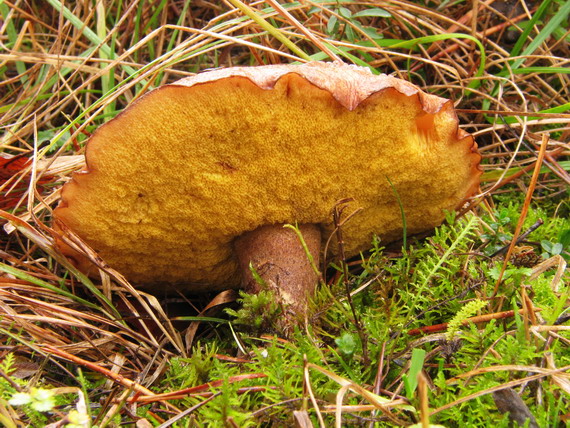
(176, 177)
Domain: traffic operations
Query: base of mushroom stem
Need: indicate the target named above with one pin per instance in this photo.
(279, 259)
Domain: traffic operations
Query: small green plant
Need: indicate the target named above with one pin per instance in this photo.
(466, 312)
(258, 312)
(560, 247)
(346, 344)
(193, 370)
(416, 366)
(497, 238)
(7, 366)
(348, 26)
(516, 274)
(551, 249)
(40, 399)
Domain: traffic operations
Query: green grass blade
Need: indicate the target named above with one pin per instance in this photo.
(558, 109)
(553, 23)
(416, 366)
(402, 213)
(90, 34)
(528, 70)
(153, 21)
(12, 37)
(184, 12)
(33, 280)
(252, 14)
(517, 48)
(438, 37)
(106, 82)
(496, 174)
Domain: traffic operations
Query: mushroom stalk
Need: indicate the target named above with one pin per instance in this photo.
(277, 256)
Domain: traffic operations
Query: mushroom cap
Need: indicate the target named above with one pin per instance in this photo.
(176, 177)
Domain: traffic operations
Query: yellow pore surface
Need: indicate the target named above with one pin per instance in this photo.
(176, 177)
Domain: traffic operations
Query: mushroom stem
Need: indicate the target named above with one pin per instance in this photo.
(278, 257)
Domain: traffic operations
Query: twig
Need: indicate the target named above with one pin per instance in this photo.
(310, 35)
(478, 319)
(499, 387)
(424, 401)
(176, 395)
(95, 367)
(524, 211)
(338, 228)
(187, 411)
(521, 238)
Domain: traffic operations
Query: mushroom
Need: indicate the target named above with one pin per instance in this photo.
(192, 185)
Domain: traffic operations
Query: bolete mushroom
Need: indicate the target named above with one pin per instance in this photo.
(193, 182)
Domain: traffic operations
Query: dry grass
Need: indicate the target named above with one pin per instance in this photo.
(68, 68)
